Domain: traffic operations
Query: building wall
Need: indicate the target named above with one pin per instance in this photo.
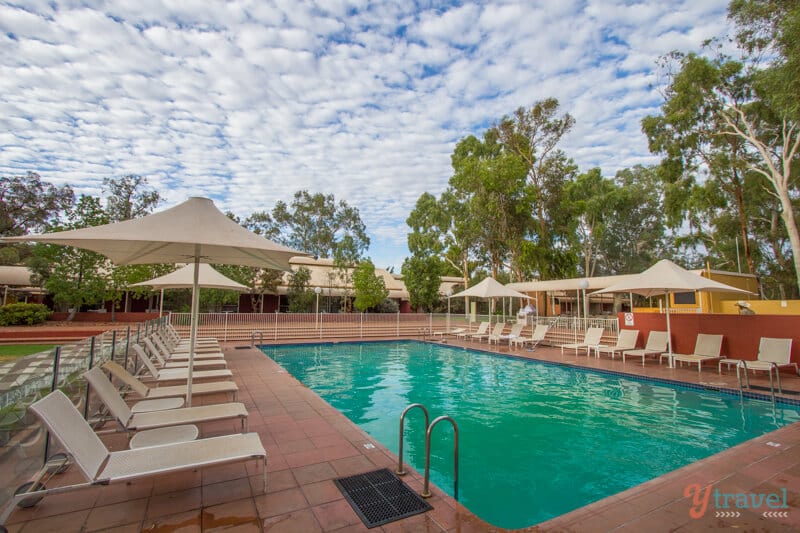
(741, 332)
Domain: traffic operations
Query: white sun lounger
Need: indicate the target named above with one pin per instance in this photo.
(656, 345)
(179, 348)
(516, 329)
(455, 331)
(184, 356)
(483, 327)
(155, 415)
(626, 340)
(706, 348)
(496, 331)
(199, 364)
(773, 354)
(149, 393)
(538, 336)
(101, 467)
(177, 340)
(590, 340)
(177, 374)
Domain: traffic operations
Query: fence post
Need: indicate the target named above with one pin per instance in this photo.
(53, 387)
(127, 345)
(320, 325)
(361, 326)
(91, 362)
(276, 325)
(113, 344)
(398, 324)
(225, 331)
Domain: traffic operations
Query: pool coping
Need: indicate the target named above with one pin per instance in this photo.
(663, 500)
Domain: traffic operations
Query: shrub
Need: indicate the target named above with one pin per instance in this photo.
(23, 314)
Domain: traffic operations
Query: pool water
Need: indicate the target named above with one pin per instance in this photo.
(536, 440)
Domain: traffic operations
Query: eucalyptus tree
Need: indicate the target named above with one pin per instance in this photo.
(426, 242)
(129, 197)
(533, 135)
(29, 204)
(316, 224)
(634, 235)
(591, 198)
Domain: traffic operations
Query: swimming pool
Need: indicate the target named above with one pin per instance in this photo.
(536, 440)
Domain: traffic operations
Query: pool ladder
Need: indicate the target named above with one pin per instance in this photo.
(426, 493)
(253, 336)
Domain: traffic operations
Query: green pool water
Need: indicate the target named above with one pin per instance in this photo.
(536, 440)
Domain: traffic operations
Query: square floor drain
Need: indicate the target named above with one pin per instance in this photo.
(379, 497)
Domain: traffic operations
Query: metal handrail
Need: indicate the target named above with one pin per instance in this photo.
(253, 336)
(426, 493)
(400, 471)
(743, 364)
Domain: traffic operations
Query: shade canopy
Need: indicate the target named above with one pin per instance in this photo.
(183, 278)
(666, 277)
(193, 230)
(489, 288)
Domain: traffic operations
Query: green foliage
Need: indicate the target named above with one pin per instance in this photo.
(28, 204)
(370, 288)
(421, 275)
(74, 277)
(301, 297)
(22, 314)
(314, 223)
(129, 197)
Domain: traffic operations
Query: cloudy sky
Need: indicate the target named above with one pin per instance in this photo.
(248, 101)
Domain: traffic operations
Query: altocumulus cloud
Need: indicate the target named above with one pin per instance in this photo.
(247, 102)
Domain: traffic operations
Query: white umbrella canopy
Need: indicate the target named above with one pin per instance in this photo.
(665, 278)
(194, 231)
(489, 288)
(183, 278)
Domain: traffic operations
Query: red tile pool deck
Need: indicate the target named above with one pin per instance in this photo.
(309, 443)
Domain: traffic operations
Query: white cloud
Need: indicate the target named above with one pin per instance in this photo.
(248, 101)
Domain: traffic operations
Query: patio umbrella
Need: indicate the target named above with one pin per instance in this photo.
(489, 288)
(183, 278)
(665, 278)
(194, 231)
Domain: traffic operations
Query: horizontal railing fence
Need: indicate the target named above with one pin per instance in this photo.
(266, 327)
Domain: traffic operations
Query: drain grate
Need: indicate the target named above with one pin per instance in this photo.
(379, 497)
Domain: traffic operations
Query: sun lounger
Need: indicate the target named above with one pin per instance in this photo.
(496, 332)
(706, 348)
(538, 336)
(149, 393)
(516, 329)
(101, 467)
(656, 345)
(773, 354)
(626, 340)
(177, 340)
(184, 356)
(455, 331)
(590, 340)
(182, 347)
(176, 374)
(483, 327)
(155, 415)
(200, 364)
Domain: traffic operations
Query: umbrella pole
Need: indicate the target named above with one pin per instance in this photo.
(193, 334)
(161, 304)
(669, 331)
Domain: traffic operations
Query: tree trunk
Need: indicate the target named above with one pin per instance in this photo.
(787, 214)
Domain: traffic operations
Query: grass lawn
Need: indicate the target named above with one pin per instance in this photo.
(12, 351)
